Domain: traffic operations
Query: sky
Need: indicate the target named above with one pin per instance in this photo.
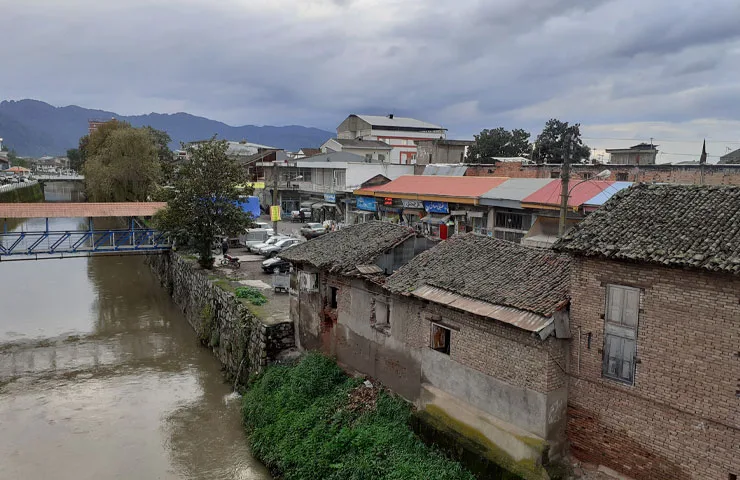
(626, 70)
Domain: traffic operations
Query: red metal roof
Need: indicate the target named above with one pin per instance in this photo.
(471, 187)
(550, 193)
(79, 210)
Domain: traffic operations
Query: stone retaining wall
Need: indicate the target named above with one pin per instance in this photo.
(243, 343)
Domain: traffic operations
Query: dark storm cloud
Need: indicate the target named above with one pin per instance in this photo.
(468, 64)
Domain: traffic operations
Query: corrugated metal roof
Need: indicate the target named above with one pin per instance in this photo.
(550, 193)
(79, 210)
(605, 195)
(514, 189)
(359, 143)
(398, 122)
(528, 321)
(469, 187)
(446, 170)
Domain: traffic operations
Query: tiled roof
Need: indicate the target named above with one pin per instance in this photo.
(346, 249)
(80, 210)
(310, 151)
(672, 225)
(490, 270)
(471, 187)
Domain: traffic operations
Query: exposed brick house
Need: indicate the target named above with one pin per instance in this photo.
(466, 330)
(654, 388)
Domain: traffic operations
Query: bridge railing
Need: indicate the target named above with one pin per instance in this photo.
(15, 186)
(85, 242)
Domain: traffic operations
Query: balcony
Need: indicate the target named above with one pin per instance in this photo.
(314, 187)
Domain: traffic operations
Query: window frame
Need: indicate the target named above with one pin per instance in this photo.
(447, 337)
(621, 331)
(621, 177)
(333, 296)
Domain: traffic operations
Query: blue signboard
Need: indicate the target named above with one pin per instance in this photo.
(330, 197)
(367, 203)
(250, 205)
(436, 207)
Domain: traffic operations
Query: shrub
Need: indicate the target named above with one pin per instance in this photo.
(251, 294)
(300, 427)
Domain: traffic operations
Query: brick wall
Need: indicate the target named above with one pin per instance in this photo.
(682, 174)
(681, 418)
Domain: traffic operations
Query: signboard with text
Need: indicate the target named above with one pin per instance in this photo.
(275, 213)
(418, 204)
(330, 197)
(368, 204)
(436, 207)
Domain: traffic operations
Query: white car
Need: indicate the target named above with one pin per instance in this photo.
(279, 246)
(270, 241)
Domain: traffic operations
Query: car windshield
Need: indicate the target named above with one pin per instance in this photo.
(313, 225)
(284, 242)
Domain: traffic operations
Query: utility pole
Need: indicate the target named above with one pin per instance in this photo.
(564, 180)
(275, 192)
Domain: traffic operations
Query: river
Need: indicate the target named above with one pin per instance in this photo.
(102, 378)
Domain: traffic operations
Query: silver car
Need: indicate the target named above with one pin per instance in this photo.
(270, 241)
(273, 250)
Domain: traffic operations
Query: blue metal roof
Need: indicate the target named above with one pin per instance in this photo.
(602, 197)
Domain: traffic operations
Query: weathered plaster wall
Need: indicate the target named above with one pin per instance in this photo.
(242, 342)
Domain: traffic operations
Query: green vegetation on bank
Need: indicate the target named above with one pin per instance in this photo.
(312, 421)
(31, 193)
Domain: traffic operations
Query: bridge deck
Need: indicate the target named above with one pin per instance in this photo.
(79, 210)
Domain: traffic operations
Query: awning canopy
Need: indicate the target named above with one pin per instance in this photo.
(435, 220)
(308, 204)
(413, 211)
(362, 212)
(325, 205)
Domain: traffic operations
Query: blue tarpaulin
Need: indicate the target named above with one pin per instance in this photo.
(250, 205)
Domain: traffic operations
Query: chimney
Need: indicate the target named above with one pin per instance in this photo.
(390, 115)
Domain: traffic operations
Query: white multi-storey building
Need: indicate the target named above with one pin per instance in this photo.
(401, 133)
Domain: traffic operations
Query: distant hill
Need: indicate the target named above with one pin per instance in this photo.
(35, 128)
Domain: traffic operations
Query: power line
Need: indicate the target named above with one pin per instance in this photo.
(660, 140)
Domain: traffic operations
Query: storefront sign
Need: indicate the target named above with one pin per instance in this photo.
(436, 207)
(387, 201)
(368, 204)
(330, 197)
(412, 204)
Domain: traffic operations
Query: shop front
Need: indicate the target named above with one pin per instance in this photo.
(366, 210)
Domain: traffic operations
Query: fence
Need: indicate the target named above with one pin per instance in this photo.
(15, 186)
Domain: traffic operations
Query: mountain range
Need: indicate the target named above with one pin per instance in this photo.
(34, 128)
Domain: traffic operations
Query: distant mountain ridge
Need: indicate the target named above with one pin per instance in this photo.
(35, 128)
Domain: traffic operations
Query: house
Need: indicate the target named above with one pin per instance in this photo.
(307, 152)
(641, 154)
(401, 133)
(654, 390)
(732, 158)
(442, 151)
(439, 205)
(4, 163)
(468, 330)
(370, 149)
(511, 221)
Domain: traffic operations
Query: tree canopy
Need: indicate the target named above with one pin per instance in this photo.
(553, 144)
(499, 142)
(121, 164)
(204, 204)
(75, 159)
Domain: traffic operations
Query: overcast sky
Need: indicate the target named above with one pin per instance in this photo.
(624, 69)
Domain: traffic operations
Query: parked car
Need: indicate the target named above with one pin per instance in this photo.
(270, 241)
(295, 215)
(253, 236)
(276, 265)
(279, 246)
(312, 230)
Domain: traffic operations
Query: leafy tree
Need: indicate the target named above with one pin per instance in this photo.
(204, 204)
(16, 161)
(162, 141)
(121, 164)
(75, 159)
(552, 144)
(499, 142)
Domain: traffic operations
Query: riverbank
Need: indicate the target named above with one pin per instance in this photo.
(311, 421)
(242, 337)
(23, 193)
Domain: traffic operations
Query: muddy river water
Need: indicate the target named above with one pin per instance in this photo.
(102, 378)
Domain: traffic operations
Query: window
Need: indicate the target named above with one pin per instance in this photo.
(368, 156)
(308, 282)
(333, 296)
(382, 312)
(621, 177)
(620, 332)
(512, 220)
(381, 157)
(440, 339)
(587, 175)
(554, 174)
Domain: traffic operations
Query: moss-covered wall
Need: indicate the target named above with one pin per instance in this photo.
(28, 194)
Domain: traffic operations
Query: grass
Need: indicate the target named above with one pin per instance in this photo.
(300, 426)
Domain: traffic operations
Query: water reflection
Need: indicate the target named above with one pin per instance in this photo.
(101, 377)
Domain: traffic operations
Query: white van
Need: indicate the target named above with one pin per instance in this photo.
(253, 236)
